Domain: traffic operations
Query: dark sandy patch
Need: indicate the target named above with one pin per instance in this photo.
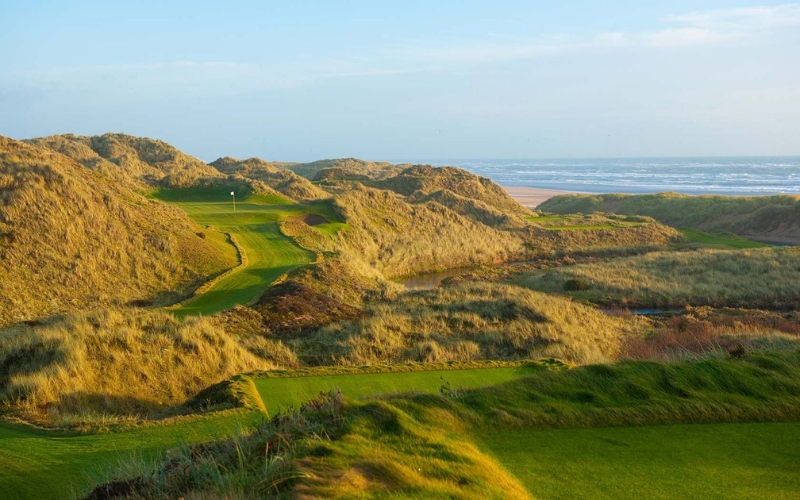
(310, 219)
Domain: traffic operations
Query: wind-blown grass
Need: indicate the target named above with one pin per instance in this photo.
(755, 278)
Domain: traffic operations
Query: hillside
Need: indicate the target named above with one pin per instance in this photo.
(399, 238)
(421, 180)
(280, 179)
(767, 218)
(151, 161)
(70, 238)
(348, 166)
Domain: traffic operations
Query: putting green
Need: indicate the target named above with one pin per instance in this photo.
(758, 460)
(254, 225)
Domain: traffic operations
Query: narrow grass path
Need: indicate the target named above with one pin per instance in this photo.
(699, 239)
(758, 460)
(280, 393)
(254, 224)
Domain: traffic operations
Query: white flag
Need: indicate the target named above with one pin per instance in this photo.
(231, 193)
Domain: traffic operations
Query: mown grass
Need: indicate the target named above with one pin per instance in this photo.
(429, 445)
(699, 239)
(38, 464)
(68, 461)
(254, 224)
(751, 278)
(280, 393)
(673, 461)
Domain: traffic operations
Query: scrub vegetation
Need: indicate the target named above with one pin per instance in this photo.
(756, 278)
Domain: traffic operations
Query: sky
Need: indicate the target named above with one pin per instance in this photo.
(300, 81)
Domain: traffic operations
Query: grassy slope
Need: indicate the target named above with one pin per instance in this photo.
(675, 461)
(279, 393)
(39, 464)
(254, 224)
(72, 239)
(761, 277)
(44, 464)
(768, 218)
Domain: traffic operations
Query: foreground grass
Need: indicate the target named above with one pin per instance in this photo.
(673, 461)
(39, 464)
(429, 445)
(254, 224)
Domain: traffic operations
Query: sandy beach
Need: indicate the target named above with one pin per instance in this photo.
(532, 197)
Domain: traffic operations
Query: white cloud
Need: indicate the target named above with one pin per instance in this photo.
(743, 19)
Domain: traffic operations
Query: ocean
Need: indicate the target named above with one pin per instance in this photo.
(727, 176)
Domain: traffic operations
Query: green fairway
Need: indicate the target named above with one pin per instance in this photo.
(39, 464)
(254, 225)
(279, 393)
(699, 239)
(758, 460)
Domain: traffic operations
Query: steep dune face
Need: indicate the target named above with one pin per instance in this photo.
(72, 238)
(145, 160)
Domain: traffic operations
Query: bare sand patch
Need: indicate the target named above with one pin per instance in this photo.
(532, 197)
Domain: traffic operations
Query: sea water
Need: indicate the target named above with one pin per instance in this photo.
(728, 176)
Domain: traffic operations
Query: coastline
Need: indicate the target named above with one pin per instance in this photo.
(531, 197)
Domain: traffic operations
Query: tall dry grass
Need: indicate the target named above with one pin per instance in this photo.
(70, 238)
(469, 322)
(755, 278)
(133, 363)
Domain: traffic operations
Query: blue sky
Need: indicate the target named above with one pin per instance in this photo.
(410, 80)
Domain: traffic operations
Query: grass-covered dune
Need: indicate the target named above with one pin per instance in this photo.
(445, 445)
(73, 238)
(768, 218)
(344, 168)
(145, 160)
(755, 278)
(105, 365)
(278, 178)
(469, 322)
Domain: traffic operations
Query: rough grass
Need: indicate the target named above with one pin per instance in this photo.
(468, 322)
(72, 239)
(109, 364)
(756, 278)
(672, 461)
(767, 218)
(423, 445)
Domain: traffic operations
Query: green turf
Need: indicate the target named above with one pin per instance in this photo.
(279, 393)
(760, 460)
(254, 224)
(705, 240)
(38, 464)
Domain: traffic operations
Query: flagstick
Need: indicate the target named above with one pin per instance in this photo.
(234, 201)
